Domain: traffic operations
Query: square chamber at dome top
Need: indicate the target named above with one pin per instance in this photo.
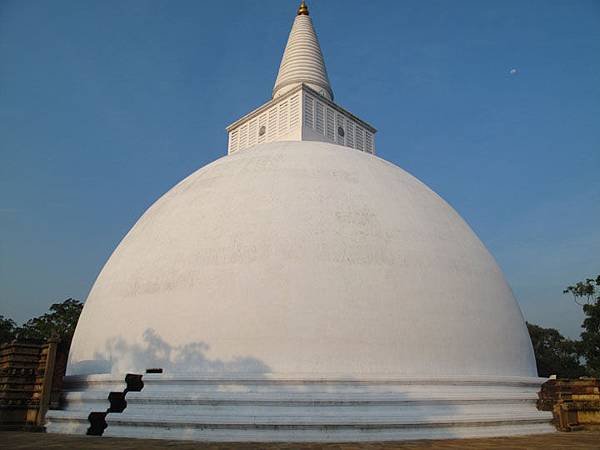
(301, 114)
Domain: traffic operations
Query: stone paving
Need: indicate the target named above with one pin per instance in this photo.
(24, 440)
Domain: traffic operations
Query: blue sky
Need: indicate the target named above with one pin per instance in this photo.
(104, 105)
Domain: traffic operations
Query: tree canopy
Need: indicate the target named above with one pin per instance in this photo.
(555, 354)
(8, 329)
(59, 322)
(587, 294)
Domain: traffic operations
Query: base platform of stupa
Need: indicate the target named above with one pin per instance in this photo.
(300, 409)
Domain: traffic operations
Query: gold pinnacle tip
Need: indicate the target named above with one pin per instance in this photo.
(303, 9)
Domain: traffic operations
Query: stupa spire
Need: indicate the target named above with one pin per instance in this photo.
(302, 60)
(302, 106)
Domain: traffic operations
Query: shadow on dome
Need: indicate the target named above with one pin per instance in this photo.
(155, 352)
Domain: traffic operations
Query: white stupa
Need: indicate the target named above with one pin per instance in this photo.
(302, 289)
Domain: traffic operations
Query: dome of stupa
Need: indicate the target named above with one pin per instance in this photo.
(302, 257)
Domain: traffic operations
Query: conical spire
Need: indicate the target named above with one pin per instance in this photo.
(303, 60)
(302, 107)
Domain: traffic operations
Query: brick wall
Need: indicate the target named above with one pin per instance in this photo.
(30, 382)
(574, 403)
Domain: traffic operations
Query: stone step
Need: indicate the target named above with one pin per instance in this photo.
(355, 434)
(202, 432)
(301, 382)
(295, 418)
(303, 421)
(261, 406)
(243, 388)
(300, 398)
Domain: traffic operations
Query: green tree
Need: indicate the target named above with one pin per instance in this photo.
(8, 330)
(587, 294)
(554, 354)
(59, 322)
